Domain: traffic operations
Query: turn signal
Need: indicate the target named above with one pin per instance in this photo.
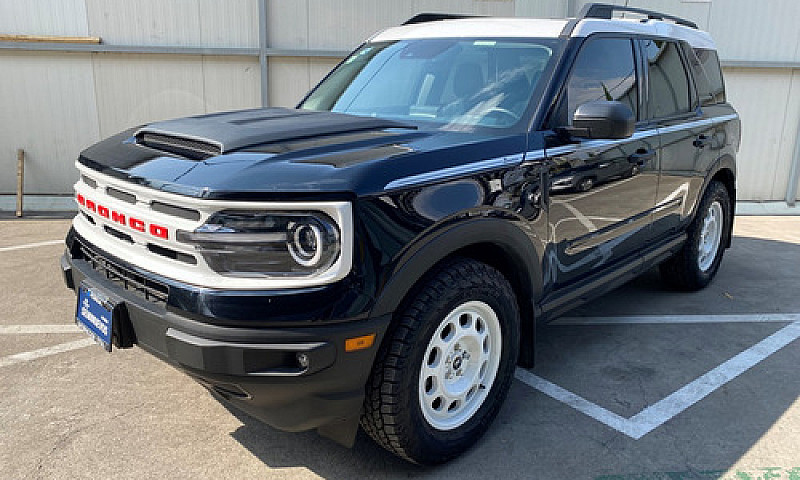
(359, 343)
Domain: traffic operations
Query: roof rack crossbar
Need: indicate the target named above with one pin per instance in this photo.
(606, 11)
(433, 17)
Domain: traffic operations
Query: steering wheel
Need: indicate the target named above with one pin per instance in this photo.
(503, 111)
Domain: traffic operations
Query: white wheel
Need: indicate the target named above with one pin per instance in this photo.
(460, 365)
(697, 262)
(441, 376)
(710, 236)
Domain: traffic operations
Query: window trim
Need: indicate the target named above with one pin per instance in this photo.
(548, 123)
(693, 97)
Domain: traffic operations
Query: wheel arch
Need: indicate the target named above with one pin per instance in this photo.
(499, 242)
(724, 171)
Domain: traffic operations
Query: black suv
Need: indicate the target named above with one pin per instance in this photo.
(383, 253)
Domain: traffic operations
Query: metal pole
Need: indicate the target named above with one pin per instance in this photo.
(794, 173)
(262, 51)
(20, 179)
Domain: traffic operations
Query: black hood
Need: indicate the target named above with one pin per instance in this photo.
(230, 131)
(273, 152)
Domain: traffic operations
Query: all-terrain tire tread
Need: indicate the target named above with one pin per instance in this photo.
(381, 408)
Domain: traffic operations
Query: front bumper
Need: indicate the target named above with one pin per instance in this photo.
(258, 370)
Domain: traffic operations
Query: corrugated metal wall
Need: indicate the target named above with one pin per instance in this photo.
(53, 104)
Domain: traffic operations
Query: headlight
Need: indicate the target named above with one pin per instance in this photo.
(267, 244)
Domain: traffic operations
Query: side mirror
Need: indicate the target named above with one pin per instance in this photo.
(603, 119)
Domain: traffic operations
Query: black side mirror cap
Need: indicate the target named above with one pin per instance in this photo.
(603, 119)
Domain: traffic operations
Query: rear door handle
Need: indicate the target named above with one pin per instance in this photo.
(702, 141)
(642, 156)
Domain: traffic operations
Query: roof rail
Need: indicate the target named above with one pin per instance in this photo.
(606, 11)
(433, 17)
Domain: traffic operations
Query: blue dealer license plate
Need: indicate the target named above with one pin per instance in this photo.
(95, 315)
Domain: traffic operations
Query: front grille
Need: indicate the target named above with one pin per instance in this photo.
(185, 147)
(150, 290)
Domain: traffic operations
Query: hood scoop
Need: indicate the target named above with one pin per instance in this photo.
(207, 136)
(196, 149)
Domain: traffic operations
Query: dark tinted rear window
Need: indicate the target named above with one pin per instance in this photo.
(707, 75)
(668, 83)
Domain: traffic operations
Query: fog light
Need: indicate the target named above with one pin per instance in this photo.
(303, 360)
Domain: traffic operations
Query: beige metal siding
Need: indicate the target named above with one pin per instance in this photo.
(136, 89)
(748, 30)
(48, 109)
(541, 8)
(145, 22)
(230, 83)
(43, 17)
(769, 105)
(288, 80)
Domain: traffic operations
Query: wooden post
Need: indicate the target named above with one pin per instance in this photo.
(20, 179)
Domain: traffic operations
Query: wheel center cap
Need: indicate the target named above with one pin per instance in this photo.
(457, 363)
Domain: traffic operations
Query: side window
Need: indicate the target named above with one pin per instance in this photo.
(668, 83)
(603, 70)
(708, 75)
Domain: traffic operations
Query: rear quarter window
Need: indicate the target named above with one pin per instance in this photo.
(668, 85)
(707, 75)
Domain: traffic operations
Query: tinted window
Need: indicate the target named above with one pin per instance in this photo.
(451, 82)
(604, 70)
(707, 75)
(668, 84)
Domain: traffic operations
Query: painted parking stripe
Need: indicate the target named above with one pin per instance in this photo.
(45, 352)
(35, 329)
(31, 245)
(679, 319)
(575, 401)
(662, 411)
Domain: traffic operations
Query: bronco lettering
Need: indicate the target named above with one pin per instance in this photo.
(153, 229)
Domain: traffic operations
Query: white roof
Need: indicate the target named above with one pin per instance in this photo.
(475, 27)
(493, 27)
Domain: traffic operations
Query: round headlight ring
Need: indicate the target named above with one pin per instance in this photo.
(306, 243)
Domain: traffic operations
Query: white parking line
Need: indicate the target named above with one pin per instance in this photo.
(664, 410)
(31, 245)
(580, 216)
(677, 319)
(33, 329)
(44, 352)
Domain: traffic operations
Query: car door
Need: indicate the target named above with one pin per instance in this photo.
(686, 134)
(601, 192)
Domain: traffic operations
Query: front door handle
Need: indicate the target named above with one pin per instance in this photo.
(701, 141)
(642, 156)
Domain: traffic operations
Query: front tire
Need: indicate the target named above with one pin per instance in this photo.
(585, 184)
(443, 373)
(696, 264)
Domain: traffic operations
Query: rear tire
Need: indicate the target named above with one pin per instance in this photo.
(444, 371)
(696, 264)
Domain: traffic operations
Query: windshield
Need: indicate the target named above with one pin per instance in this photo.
(452, 82)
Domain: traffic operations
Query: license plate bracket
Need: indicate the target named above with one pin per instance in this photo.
(95, 314)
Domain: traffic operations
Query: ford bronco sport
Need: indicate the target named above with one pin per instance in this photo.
(382, 254)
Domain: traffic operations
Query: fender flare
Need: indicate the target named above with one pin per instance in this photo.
(724, 162)
(506, 232)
